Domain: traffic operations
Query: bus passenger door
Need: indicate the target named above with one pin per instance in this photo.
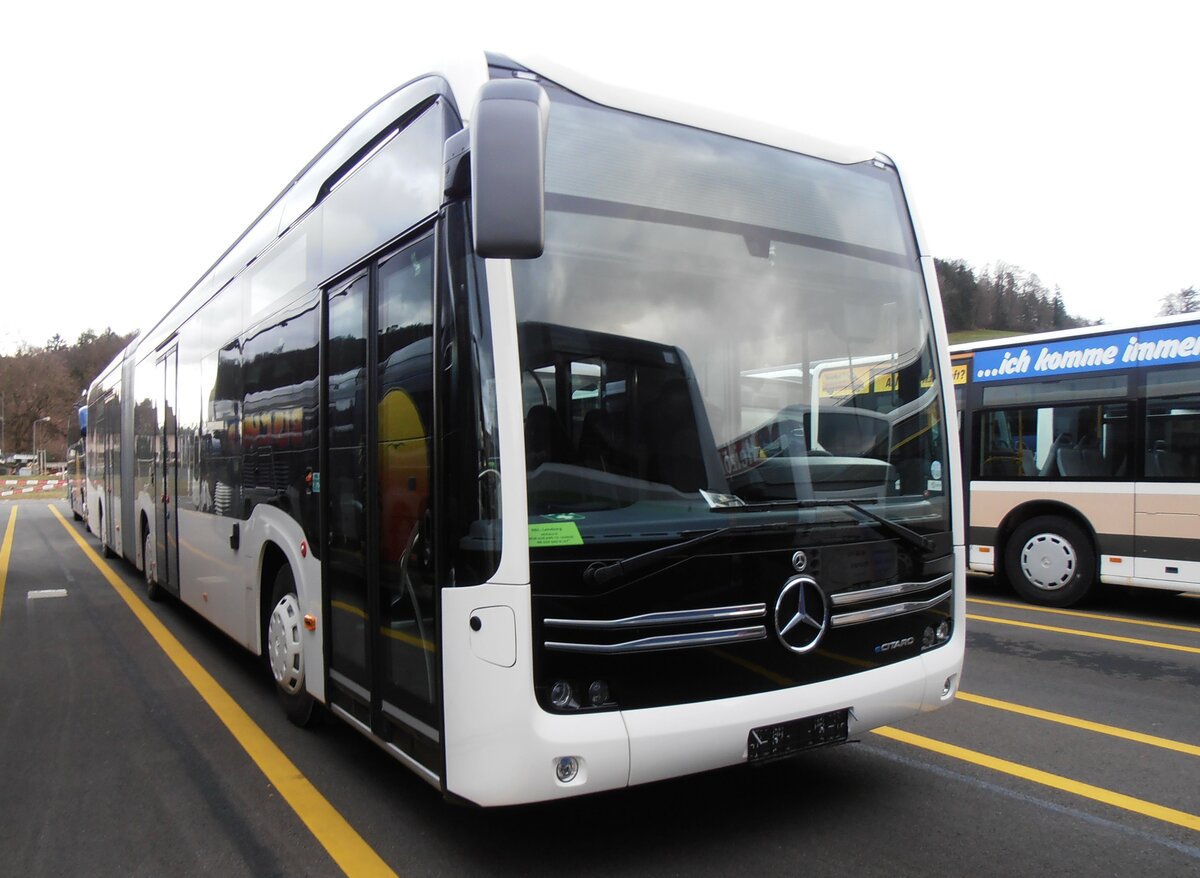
(406, 642)
(378, 375)
(166, 521)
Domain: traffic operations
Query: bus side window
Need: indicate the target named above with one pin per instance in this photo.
(1173, 438)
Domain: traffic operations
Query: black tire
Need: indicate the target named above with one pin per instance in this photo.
(153, 590)
(281, 650)
(1050, 561)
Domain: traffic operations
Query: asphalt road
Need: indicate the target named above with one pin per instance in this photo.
(1075, 750)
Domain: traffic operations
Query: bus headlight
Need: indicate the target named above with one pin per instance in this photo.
(562, 695)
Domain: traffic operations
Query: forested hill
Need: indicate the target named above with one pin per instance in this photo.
(1001, 297)
(43, 383)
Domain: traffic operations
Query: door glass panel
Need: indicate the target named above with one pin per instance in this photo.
(405, 372)
(345, 486)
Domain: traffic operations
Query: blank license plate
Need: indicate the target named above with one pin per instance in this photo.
(784, 739)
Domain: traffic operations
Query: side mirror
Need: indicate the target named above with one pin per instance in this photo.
(508, 169)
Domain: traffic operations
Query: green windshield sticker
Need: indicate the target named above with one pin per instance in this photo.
(564, 516)
(564, 533)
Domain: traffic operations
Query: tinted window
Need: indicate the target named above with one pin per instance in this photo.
(280, 402)
(1173, 425)
(1052, 442)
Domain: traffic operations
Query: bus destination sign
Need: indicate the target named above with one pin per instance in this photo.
(1101, 353)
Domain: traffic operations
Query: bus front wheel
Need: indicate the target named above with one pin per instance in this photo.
(1050, 561)
(285, 653)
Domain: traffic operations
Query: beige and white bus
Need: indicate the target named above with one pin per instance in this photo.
(1082, 456)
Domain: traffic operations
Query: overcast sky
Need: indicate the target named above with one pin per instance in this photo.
(139, 139)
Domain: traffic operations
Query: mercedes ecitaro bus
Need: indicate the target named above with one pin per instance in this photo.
(558, 438)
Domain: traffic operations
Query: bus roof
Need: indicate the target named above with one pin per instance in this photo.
(1010, 341)
(660, 107)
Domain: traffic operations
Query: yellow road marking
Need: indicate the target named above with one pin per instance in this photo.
(330, 828)
(1076, 722)
(1097, 616)
(1113, 637)
(6, 553)
(410, 639)
(403, 637)
(349, 608)
(1045, 778)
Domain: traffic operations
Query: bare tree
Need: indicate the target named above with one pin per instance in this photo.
(1186, 301)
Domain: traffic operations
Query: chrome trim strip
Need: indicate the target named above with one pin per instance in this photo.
(885, 591)
(671, 617)
(350, 686)
(401, 716)
(673, 641)
(350, 718)
(420, 770)
(876, 613)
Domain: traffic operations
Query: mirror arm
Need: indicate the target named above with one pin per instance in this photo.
(456, 174)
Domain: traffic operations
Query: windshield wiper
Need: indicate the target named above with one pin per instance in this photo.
(911, 536)
(602, 574)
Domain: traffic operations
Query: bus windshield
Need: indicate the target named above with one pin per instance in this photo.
(715, 322)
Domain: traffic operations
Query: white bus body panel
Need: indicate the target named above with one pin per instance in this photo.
(210, 575)
(501, 748)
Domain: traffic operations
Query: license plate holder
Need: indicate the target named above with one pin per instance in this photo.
(779, 740)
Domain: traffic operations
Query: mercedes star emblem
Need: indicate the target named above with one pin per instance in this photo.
(801, 614)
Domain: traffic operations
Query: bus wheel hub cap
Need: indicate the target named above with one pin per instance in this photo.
(1048, 561)
(283, 644)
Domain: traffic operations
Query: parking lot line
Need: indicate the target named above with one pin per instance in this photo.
(1045, 778)
(1078, 633)
(328, 826)
(1076, 722)
(6, 553)
(1100, 617)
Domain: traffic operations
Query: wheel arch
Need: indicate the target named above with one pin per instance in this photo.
(271, 560)
(274, 539)
(1033, 509)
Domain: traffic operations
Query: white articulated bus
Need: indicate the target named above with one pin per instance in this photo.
(1082, 451)
(498, 434)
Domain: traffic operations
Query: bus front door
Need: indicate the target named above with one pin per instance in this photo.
(378, 376)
